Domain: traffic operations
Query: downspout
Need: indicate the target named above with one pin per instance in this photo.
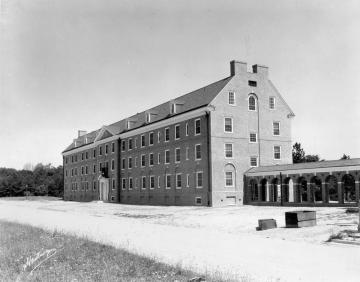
(208, 136)
(259, 147)
(118, 184)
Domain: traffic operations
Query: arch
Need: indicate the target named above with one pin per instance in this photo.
(252, 102)
(274, 190)
(263, 190)
(316, 190)
(302, 190)
(331, 189)
(348, 191)
(254, 190)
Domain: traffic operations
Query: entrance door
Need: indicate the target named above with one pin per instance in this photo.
(104, 190)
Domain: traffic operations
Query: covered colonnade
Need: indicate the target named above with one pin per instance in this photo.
(322, 183)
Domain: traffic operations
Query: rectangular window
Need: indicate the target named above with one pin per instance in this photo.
(228, 122)
(130, 144)
(86, 170)
(253, 138)
(197, 126)
(130, 162)
(151, 138)
(112, 147)
(135, 142)
(187, 153)
(82, 170)
(123, 145)
(100, 151)
(168, 181)
(106, 149)
(177, 155)
(198, 201)
(82, 156)
(272, 103)
(231, 98)
(86, 155)
(178, 181)
(113, 184)
(151, 159)
(123, 164)
(252, 83)
(123, 183)
(228, 150)
(187, 180)
(112, 164)
(198, 152)
(187, 129)
(277, 152)
(94, 185)
(94, 153)
(100, 167)
(130, 183)
(229, 181)
(167, 134)
(152, 182)
(142, 140)
(276, 128)
(158, 136)
(159, 158)
(199, 179)
(177, 131)
(143, 182)
(167, 156)
(136, 161)
(253, 161)
(94, 168)
(158, 181)
(143, 161)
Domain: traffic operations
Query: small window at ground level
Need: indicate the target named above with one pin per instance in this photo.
(198, 200)
(112, 198)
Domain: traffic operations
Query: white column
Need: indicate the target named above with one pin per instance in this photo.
(267, 192)
(291, 191)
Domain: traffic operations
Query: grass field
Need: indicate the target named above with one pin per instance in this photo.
(32, 254)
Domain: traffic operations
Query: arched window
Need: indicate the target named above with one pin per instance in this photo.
(252, 103)
(230, 177)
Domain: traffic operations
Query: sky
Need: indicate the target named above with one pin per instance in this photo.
(81, 64)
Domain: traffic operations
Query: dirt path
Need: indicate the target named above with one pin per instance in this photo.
(234, 256)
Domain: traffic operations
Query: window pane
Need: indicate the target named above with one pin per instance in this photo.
(228, 150)
(231, 98)
(252, 103)
(229, 178)
(276, 128)
(253, 137)
(228, 125)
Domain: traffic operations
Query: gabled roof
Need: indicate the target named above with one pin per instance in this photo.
(299, 166)
(190, 101)
(291, 114)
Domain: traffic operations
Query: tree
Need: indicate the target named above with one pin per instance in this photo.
(298, 153)
(312, 158)
(345, 157)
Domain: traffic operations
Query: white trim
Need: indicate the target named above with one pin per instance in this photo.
(152, 126)
(232, 125)
(273, 128)
(196, 134)
(255, 137)
(195, 155)
(232, 151)
(176, 161)
(158, 136)
(202, 179)
(176, 181)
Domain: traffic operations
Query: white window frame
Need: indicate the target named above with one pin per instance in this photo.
(159, 186)
(273, 124)
(165, 129)
(141, 160)
(279, 152)
(176, 180)
(232, 150)
(177, 161)
(234, 98)
(197, 179)
(256, 159)
(151, 144)
(255, 137)
(166, 182)
(274, 102)
(165, 162)
(196, 158)
(199, 120)
(158, 136)
(130, 161)
(112, 165)
(141, 143)
(151, 177)
(232, 125)
(132, 183)
(252, 95)
(232, 178)
(123, 147)
(151, 154)
(113, 184)
(187, 129)
(187, 180)
(176, 126)
(123, 183)
(130, 142)
(142, 182)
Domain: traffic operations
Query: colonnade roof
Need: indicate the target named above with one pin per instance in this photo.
(345, 164)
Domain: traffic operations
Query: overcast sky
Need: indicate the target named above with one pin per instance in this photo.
(81, 64)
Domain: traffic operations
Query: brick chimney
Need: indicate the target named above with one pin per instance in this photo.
(263, 70)
(237, 67)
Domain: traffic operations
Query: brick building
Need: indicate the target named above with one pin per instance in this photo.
(192, 150)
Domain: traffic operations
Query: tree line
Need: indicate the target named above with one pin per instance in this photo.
(40, 180)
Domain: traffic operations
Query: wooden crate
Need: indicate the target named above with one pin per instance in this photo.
(300, 219)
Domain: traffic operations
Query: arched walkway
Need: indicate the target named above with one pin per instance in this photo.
(274, 190)
(302, 190)
(316, 190)
(254, 190)
(349, 195)
(332, 189)
(263, 190)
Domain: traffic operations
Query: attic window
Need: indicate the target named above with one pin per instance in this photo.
(148, 117)
(86, 140)
(173, 108)
(128, 124)
(252, 83)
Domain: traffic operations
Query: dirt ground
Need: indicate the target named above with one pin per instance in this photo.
(215, 240)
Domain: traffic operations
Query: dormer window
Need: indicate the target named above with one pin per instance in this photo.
(173, 108)
(148, 118)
